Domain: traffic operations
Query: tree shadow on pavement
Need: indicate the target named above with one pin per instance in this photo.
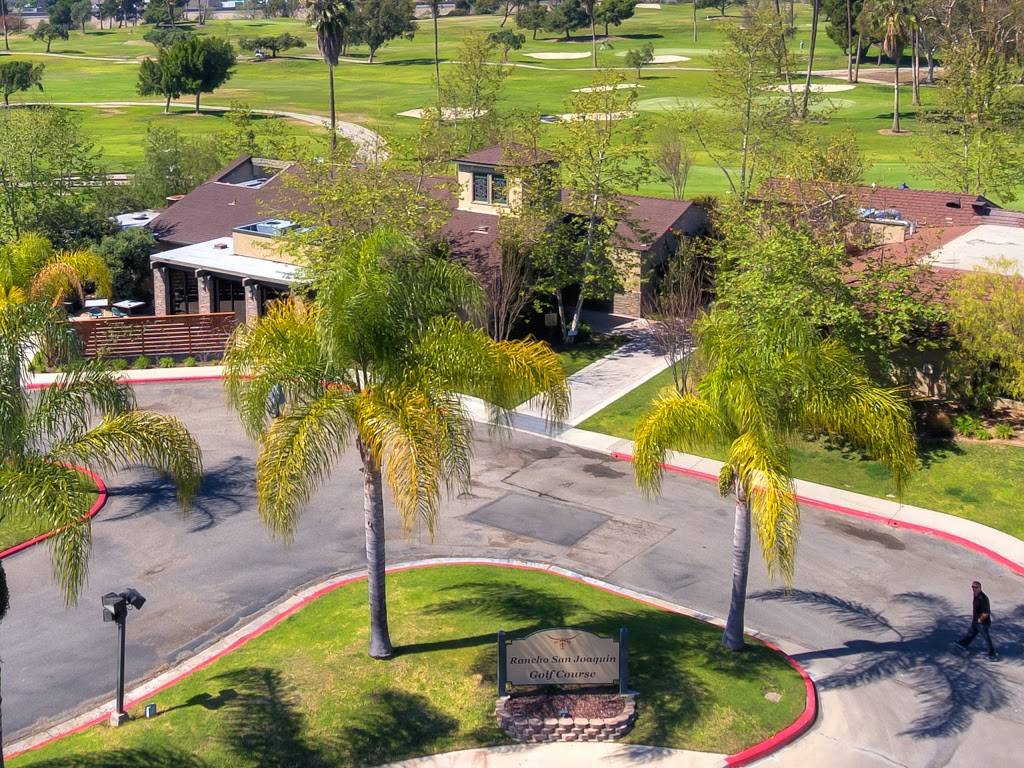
(951, 686)
(227, 490)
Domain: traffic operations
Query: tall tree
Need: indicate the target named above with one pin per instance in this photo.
(18, 76)
(590, 6)
(376, 22)
(7, 47)
(533, 17)
(566, 16)
(614, 12)
(764, 384)
(205, 64)
(30, 270)
(815, 8)
(377, 360)
(85, 419)
(892, 21)
(434, 11)
(81, 12)
(601, 157)
(161, 77)
(470, 95)
(48, 32)
(330, 19)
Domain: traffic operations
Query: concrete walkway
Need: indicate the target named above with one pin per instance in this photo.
(572, 755)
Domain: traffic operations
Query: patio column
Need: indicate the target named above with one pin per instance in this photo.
(252, 301)
(205, 281)
(160, 290)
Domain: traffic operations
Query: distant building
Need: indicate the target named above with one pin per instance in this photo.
(221, 254)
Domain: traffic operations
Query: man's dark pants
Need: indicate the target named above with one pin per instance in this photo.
(977, 627)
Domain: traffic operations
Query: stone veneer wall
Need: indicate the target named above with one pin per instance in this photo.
(536, 730)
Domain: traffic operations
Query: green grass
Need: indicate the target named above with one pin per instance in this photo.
(969, 480)
(401, 79)
(578, 356)
(14, 532)
(306, 694)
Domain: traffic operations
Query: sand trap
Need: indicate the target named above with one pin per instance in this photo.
(449, 113)
(649, 6)
(668, 58)
(559, 55)
(603, 88)
(573, 116)
(815, 87)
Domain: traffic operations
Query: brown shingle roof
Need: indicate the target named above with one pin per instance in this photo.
(496, 155)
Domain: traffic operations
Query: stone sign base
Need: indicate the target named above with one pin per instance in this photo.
(538, 729)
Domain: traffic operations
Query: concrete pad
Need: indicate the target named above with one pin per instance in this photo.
(538, 518)
(555, 55)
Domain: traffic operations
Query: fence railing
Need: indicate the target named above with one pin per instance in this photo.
(194, 335)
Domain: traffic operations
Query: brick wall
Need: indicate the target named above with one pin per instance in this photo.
(160, 291)
(205, 294)
(535, 729)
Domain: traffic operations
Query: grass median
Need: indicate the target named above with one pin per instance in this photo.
(305, 693)
(970, 480)
(17, 531)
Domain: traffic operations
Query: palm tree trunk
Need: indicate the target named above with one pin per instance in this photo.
(896, 100)
(856, 65)
(695, 21)
(7, 47)
(916, 71)
(334, 118)
(815, 6)
(593, 39)
(373, 507)
(733, 637)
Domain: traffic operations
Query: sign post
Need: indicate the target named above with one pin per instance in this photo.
(623, 660)
(502, 661)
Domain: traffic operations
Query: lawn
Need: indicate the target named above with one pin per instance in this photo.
(14, 532)
(975, 481)
(306, 694)
(578, 356)
(401, 79)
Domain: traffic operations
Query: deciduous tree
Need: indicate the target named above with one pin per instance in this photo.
(377, 22)
(16, 76)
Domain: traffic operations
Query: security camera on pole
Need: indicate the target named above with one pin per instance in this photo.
(115, 608)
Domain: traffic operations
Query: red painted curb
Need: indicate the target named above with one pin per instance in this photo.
(1014, 566)
(783, 737)
(101, 499)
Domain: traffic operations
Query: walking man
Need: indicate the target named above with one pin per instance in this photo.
(981, 621)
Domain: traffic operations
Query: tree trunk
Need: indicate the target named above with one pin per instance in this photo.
(198, 93)
(334, 119)
(372, 52)
(49, 40)
(733, 636)
(437, 64)
(916, 72)
(856, 66)
(815, 6)
(931, 65)
(695, 21)
(167, 105)
(849, 42)
(373, 506)
(7, 47)
(896, 100)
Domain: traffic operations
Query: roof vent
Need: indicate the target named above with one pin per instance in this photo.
(953, 204)
(220, 246)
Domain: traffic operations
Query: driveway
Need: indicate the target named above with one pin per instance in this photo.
(871, 614)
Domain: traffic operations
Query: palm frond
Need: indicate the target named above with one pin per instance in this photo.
(64, 409)
(463, 357)
(60, 495)
(762, 468)
(297, 453)
(674, 422)
(282, 350)
(833, 394)
(416, 442)
(138, 438)
(67, 272)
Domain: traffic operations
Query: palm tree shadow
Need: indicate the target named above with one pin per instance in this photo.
(951, 687)
(227, 491)
(137, 757)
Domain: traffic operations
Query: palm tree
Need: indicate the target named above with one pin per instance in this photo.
(330, 18)
(437, 56)
(894, 21)
(760, 387)
(31, 269)
(590, 6)
(378, 360)
(87, 419)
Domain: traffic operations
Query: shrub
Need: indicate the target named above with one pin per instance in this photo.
(140, 362)
(165, 362)
(981, 433)
(189, 362)
(1005, 432)
(967, 424)
(38, 363)
(118, 364)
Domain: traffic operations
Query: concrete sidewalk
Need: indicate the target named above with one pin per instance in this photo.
(566, 755)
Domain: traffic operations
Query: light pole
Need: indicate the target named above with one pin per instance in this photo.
(115, 608)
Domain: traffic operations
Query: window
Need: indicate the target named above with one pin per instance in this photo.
(229, 296)
(499, 189)
(490, 188)
(184, 292)
(480, 188)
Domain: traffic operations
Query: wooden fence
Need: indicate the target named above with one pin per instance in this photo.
(151, 335)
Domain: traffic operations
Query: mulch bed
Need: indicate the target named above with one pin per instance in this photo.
(589, 705)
